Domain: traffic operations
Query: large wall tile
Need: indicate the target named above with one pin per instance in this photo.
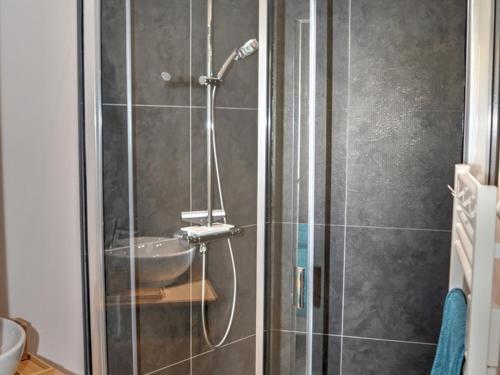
(236, 138)
(286, 353)
(113, 55)
(405, 111)
(372, 357)
(235, 358)
(328, 279)
(183, 368)
(119, 340)
(115, 174)
(220, 274)
(407, 55)
(395, 283)
(164, 335)
(161, 169)
(399, 166)
(161, 43)
(235, 22)
(326, 355)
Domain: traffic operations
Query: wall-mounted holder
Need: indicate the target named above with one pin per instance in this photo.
(202, 234)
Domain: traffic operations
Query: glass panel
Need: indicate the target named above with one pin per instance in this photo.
(391, 91)
(385, 128)
(388, 113)
(120, 310)
(288, 232)
(154, 141)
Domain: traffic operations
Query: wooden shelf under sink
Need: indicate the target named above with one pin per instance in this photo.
(36, 366)
(177, 294)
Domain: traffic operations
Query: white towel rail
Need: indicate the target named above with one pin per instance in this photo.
(472, 268)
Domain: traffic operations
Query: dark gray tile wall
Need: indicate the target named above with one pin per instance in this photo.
(361, 356)
(394, 281)
(219, 272)
(390, 95)
(237, 358)
(169, 166)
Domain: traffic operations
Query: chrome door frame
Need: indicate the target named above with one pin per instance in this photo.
(311, 184)
(495, 113)
(262, 161)
(93, 176)
(93, 183)
(480, 136)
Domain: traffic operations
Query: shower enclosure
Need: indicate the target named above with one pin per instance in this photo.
(333, 144)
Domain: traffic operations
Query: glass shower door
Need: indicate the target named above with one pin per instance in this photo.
(154, 169)
(290, 261)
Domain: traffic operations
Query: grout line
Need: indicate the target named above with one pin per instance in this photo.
(298, 223)
(413, 111)
(199, 355)
(366, 226)
(223, 346)
(346, 190)
(239, 108)
(149, 105)
(168, 366)
(327, 334)
(389, 340)
(239, 340)
(396, 228)
(178, 106)
(356, 337)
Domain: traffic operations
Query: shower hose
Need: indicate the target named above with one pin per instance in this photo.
(203, 250)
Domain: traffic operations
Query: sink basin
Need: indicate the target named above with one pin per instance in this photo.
(159, 261)
(12, 339)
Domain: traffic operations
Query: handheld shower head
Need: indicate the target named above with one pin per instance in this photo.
(238, 54)
(247, 49)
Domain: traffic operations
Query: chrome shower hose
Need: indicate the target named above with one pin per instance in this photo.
(203, 251)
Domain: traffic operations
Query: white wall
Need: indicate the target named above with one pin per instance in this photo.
(39, 151)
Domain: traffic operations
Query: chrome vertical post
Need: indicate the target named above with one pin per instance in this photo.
(210, 112)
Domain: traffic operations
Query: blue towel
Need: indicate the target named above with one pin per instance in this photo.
(302, 259)
(451, 346)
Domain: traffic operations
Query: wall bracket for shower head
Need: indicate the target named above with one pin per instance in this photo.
(213, 81)
(240, 53)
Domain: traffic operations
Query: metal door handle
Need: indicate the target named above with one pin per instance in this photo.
(299, 287)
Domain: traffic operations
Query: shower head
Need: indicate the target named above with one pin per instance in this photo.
(247, 49)
(238, 54)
